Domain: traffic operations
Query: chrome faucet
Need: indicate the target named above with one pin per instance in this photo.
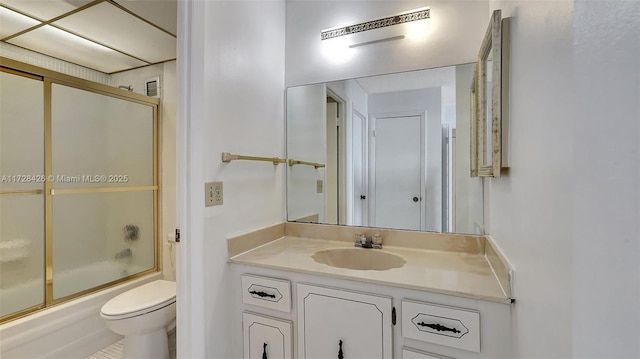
(368, 242)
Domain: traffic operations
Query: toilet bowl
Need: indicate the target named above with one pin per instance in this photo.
(143, 315)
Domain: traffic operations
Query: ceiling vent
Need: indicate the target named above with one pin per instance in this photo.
(152, 87)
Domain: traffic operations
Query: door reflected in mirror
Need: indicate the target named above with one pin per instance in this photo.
(395, 150)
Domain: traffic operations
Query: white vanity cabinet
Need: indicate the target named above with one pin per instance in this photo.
(324, 311)
(336, 323)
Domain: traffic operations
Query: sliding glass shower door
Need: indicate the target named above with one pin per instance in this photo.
(78, 188)
(22, 257)
(103, 185)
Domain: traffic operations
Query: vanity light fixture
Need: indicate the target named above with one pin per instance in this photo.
(375, 31)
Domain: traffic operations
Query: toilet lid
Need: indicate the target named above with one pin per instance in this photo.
(155, 294)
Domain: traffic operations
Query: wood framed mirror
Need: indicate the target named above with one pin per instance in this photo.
(473, 122)
(489, 100)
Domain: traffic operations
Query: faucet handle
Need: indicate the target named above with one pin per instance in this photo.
(376, 239)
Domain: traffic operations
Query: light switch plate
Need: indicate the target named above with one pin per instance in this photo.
(213, 194)
(319, 186)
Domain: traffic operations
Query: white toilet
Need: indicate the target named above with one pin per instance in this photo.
(143, 315)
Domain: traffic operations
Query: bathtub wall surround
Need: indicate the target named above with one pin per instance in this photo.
(474, 254)
(70, 330)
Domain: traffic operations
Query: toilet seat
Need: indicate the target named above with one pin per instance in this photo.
(144, 299)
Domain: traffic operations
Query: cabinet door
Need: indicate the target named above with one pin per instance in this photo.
(265, 337)
(341, 324)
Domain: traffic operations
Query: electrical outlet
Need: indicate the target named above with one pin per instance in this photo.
(319, 185)
(212, 194)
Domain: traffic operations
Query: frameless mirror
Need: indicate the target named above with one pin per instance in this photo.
(388, 151)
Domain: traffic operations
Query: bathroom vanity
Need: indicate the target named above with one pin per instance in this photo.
(445, 301)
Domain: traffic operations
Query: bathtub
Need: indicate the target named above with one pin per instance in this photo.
(70, 330)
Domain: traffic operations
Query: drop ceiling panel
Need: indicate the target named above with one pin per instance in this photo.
(12, 22)
(45, 9)
(63, 45)
(163, 13)
(111, 26)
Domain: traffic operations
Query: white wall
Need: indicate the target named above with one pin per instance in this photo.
(606, 178)
(455, 30)
(231, 62)
(530, 208)
(566, 214)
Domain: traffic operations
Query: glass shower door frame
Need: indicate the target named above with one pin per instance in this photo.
(50, 78)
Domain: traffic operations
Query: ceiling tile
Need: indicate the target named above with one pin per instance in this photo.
(65, 46)
(12, 22)
(114, 27)
(45, 9)
(163, 13)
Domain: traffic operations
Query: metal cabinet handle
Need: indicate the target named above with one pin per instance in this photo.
(363, 196)
(262, 294)
(438, 327)
(264, 351)
(340, 355)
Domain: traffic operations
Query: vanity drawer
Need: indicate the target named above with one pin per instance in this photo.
(266, 292)
(408, 353)
(452, 327)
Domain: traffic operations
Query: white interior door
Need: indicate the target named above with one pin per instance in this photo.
(397, 170)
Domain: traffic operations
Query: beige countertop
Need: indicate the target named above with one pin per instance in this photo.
(447, 272)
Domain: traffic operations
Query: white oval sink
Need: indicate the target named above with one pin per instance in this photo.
(358, 258)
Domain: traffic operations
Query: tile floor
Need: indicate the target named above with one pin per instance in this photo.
(114, 351)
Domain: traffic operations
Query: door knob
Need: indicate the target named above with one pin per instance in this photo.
(416, 199)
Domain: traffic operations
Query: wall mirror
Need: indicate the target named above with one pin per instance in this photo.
(491, 100)
(389, 151)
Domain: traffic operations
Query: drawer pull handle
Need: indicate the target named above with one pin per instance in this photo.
(264, 351)
(438, 327)
(262, 294)
(340, 355)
